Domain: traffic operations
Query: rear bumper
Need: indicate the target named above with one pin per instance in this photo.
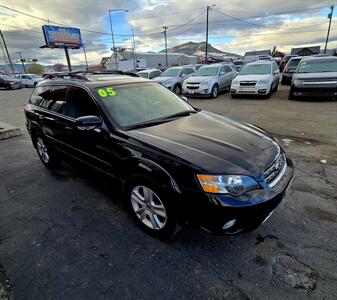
(222, 214)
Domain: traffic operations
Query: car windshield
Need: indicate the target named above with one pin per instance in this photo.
(143, 74)
(6, 77)
(142, 104)
(318, 66)
(257, 69)
(170, 73)
(294, 63)
(207, 71)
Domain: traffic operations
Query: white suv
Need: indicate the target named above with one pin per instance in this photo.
(209, 80)
(29, 80)
(258, 77)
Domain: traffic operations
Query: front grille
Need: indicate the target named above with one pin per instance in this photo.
(192, 87)
(247, 83)
(271, 174)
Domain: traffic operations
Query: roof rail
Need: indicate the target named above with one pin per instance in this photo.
(76, 75)
(114, 72)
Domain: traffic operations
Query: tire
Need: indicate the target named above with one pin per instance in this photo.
(49, 157)
(215, 91)
(35, 83)
(177, 89)
(276, 87)
(139, 191)
(291, 94)
(234, 96)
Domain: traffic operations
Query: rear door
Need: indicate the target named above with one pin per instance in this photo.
(222, 78)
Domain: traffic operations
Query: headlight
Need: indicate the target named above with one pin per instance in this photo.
(227, 184)
(297, 82)
(263, 81)
(235, 82)
(205, 83)
(167, 82)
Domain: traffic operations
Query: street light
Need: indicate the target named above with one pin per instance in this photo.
(112, 34)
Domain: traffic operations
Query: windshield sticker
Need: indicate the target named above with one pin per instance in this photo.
(107, 92)
(303, 63)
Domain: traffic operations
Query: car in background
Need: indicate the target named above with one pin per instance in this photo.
(263, 57)
(149, 74)
(9, 83)
(315, 77)
(290, 69)
(284, 61)
(173, 78)
(260, 78)
(29, 80)
(209, 80)
(238, 64)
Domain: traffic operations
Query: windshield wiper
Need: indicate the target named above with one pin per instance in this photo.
(184, 113)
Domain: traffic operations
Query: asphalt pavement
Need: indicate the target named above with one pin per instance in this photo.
(67, 234)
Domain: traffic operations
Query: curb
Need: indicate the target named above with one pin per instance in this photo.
(8, 131)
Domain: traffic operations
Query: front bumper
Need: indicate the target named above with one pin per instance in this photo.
(223, 214)
(325, 92)
(250, 90)
(196, 92)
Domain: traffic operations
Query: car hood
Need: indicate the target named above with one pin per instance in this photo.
(162, 79)
(322, 75)
(198, 79)
(252, 77)
(214, 144)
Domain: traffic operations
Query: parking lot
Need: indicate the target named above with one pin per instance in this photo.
(67, 233)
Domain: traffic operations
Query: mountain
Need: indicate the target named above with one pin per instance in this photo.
(192, 48)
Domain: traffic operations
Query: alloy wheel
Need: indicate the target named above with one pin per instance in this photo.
(42, 150)
(148, 207)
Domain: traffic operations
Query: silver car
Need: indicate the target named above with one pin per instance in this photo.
(173, 78)
(315, 77)
(209, 80)
(149, 73)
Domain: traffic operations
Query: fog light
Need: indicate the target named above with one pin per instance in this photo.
(233, 91)
(262, 91)
(229, 224)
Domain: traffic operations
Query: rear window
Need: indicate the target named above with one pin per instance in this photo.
(38, 95)
(318, 66)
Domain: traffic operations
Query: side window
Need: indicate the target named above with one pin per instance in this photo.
(38, 94)
(222, 70)
(228, 69)
(54, 99)
(80, 103)
(152, 75)
(158, 73)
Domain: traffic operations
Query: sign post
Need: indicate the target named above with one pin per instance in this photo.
(62, 37)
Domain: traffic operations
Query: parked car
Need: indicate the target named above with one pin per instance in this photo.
(173, 78)
(29, 80)
(315, 77)
(149, 74)
(259, 78)
(290, 69)
(284, 61)
(175, 164)
(238, 64)
(209, 80)
(9, 82)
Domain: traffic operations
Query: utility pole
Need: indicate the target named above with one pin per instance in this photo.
(23, 65)
(327, 36)
(85, 56)
(165, 35)
(9, 58)
(206, 50)
(134, 49)
(68, 58)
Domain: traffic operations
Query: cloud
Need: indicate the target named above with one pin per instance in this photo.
(186, 21)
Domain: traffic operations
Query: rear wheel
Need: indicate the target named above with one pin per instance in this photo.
(215, 91)
(150, 207)
(46, 153)
(291, 94)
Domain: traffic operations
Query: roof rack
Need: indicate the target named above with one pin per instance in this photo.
(107, 72)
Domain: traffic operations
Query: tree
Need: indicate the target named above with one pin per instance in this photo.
(58, 67)
(35, 69)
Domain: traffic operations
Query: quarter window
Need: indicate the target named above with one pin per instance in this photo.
(228, 69)
(39, 94)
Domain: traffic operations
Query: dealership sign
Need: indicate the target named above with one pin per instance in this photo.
(61, 37)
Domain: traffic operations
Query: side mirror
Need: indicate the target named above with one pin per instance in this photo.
(88, 122)
(276, 72)
(184, 98)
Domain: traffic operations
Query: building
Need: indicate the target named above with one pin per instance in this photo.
(149, 60)
(305, 51)
(254, 55)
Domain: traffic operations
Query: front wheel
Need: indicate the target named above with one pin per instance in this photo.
(215, 91)
(177, 89)
(150, 207)
(291, 94)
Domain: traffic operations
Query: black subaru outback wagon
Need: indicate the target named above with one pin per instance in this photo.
(176, 164)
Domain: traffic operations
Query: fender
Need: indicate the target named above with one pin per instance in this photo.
(148, 166)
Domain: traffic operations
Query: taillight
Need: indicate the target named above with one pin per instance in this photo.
(285, 70)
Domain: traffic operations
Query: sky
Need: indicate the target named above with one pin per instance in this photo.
(235, 26)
